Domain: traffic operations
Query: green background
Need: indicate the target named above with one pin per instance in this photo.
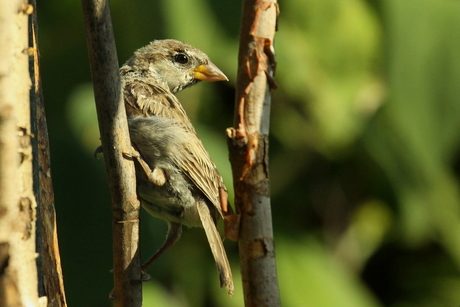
(364, 152)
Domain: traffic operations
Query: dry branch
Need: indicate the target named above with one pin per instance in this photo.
(115, 140)
(248, 145)
(51, 282)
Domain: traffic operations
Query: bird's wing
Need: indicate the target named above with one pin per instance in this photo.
(192, 159)
(195, 162)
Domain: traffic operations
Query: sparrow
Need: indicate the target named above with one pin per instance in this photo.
(176, 179)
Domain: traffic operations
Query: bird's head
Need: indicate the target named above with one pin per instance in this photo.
(173, 64)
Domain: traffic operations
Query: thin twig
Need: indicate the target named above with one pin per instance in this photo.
(115, 142)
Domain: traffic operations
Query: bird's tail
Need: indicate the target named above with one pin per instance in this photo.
(217, 248)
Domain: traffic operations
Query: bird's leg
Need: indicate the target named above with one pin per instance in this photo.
(136, 155)
(174, 233)
(156, 176)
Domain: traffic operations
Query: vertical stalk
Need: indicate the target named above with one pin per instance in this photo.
(248, 146)
(115, 140)
(50, 279)
(18, 270)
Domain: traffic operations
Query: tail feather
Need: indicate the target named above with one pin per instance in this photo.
(217, 248)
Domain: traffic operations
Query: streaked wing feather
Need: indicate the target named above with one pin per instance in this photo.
(193, 160)
(196, 163)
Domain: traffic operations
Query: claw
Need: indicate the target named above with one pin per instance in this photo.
(111, 295)
(145, 276)
(97, 151)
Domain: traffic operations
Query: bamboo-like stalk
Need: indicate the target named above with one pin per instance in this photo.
(248, 146)
(115, 140)
(18, 271)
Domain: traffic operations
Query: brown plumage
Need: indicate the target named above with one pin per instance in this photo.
(176, 179)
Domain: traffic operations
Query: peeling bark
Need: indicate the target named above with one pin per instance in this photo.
(248, 146)
(50, 283)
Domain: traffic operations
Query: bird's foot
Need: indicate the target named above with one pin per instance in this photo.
(112, 295)
(144, 277)
(133, 154)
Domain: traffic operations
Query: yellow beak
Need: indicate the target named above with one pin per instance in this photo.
(209, 72)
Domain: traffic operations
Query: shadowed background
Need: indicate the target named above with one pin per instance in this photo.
(364, 150)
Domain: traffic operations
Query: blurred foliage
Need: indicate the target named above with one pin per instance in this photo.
(364, 150)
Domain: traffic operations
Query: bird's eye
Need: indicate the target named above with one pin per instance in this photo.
(181, 58)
